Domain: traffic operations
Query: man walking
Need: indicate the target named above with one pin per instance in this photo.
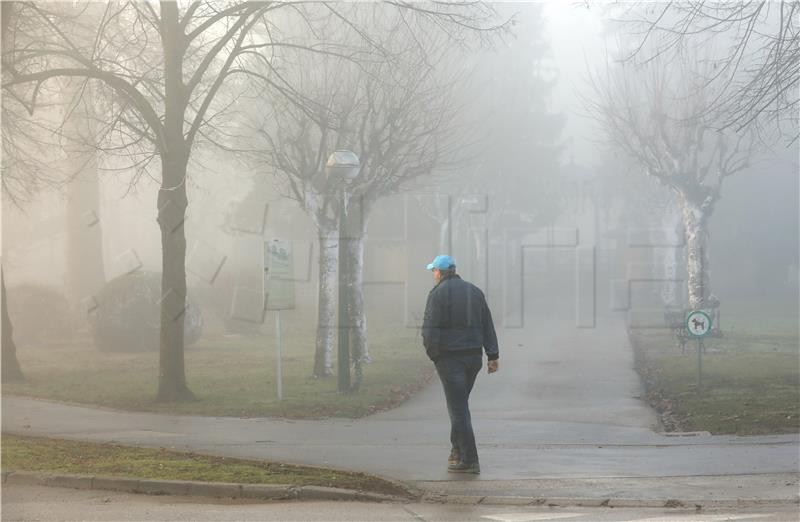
(457, 328)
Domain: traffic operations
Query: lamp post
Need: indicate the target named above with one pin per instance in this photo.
(342, 167)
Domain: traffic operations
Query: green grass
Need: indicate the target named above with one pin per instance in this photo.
(83, 458)
(231, 376)
(750, 382)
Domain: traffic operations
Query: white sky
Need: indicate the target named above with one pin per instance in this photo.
(576, 39)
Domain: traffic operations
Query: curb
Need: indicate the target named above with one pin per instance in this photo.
(500, 500)
(287, 492)
(193, 488)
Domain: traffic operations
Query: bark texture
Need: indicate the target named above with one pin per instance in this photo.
(695, 222)
(11, 371)
(172, 203)
(354, 249)
(326, 306)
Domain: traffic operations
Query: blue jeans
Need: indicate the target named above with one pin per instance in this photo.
(458, 371)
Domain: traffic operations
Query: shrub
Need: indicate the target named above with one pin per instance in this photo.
(128, 314)
(39, 313)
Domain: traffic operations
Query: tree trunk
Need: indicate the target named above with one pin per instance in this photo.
(328, 261)
(172, 203)
(11, 371)
(695, 226)
(354, 250)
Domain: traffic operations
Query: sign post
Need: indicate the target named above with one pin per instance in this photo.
(279, 363)
(342, 168)
(343, 360)
(698, 324)
(278, 285)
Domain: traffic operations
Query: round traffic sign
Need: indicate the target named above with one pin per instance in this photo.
(698, 323)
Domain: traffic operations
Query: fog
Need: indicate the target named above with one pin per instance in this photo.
(529, 152)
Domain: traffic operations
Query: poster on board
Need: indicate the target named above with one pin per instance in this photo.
(278, 275)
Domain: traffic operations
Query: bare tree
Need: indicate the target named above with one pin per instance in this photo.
(397, 115)
(31, 163)
(27, 142)
(405, 128)
(655, 116)
(162, 67)
(11, 370)
(157, 93)
(755, 76)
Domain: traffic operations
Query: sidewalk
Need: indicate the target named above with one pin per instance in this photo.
(706, 491)
(561, 417)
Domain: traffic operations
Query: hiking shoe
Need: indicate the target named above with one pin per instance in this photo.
(454, 457)
(465, 467)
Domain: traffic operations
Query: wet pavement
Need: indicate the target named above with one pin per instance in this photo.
(564, 405)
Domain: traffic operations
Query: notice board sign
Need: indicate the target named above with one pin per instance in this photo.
(278, 275)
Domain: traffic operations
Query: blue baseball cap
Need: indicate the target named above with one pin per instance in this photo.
(442, 262)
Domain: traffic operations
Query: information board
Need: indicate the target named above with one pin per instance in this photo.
(278, 275)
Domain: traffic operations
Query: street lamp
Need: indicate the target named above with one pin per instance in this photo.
(342, 167)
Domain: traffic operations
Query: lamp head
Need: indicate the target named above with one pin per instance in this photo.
(342, 166)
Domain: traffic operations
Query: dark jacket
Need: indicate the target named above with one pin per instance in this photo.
(458, 318)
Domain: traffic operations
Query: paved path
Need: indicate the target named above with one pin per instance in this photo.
(564, 406)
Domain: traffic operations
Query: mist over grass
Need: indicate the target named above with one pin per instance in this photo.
(231, 376)
(750, 377)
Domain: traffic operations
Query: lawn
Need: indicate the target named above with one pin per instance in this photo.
(750, 378)
(231, 376)
(83, 458)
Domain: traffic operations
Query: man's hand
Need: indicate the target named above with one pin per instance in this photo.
(492, 366)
